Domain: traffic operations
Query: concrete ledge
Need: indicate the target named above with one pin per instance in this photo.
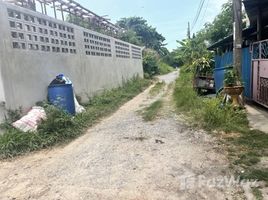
(258, 117)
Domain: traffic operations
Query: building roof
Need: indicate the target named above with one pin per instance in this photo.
(247, 33)
(252, 7)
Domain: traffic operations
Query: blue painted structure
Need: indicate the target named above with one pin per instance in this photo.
(62, 96)
(222, 63)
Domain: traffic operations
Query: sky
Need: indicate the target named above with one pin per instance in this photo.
(169, 17)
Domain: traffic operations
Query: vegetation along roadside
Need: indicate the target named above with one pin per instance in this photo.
(246, 147)
(61, 128)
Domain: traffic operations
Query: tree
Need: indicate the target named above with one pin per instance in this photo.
(222, 25)
(130, 36)
(146, 35)
(150, 62)
(193, 52)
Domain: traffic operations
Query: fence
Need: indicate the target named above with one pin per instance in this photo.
(34, 48)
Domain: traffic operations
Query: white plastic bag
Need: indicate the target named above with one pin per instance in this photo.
(78, 107)
(30, 122)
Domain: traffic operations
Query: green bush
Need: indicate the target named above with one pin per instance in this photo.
(164, 68)
(150, 62)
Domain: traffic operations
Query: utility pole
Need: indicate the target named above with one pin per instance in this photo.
(188, 31)
(237, 51)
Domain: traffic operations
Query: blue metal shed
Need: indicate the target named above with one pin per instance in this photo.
(222, 63)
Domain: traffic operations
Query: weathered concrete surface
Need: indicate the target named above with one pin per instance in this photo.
(125, 158)
(25, 74)
(258, 118)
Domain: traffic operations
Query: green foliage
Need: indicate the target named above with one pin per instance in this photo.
(172, 60)
(131, 37)
(164, 68)
(153, 65)
(145, 34)
(222, 25)
(13, 115)
(61, 127)
(204, 65)
(150, 62)
(193, 52)
(152, 111)
(230, 78)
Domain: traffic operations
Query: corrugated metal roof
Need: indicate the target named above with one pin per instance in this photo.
(252, 7)
(248, 32)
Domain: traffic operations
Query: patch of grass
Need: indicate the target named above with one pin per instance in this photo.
(257, 193)
(248, 159)
(61, 127)
(256, 174)
(186, 98)
(164, 68)
(253, 139)
(207, 113)
(157, 88)
(151, 111)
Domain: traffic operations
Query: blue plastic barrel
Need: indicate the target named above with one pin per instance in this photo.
(219, 77)
(62, 96)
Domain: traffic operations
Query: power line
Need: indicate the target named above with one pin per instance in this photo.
(197, 11)
(205, 12)
(201, 5)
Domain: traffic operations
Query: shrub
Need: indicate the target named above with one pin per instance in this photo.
(150, 62)
(164, 68)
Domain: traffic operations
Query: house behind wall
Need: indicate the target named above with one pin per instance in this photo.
(34, 48)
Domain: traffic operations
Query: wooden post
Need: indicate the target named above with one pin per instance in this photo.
(237, 54)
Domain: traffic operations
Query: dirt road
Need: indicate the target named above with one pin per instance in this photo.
(124, 157)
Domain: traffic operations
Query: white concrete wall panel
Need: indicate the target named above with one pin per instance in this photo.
(34, 48)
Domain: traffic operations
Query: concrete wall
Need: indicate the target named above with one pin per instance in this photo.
(94, 61)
